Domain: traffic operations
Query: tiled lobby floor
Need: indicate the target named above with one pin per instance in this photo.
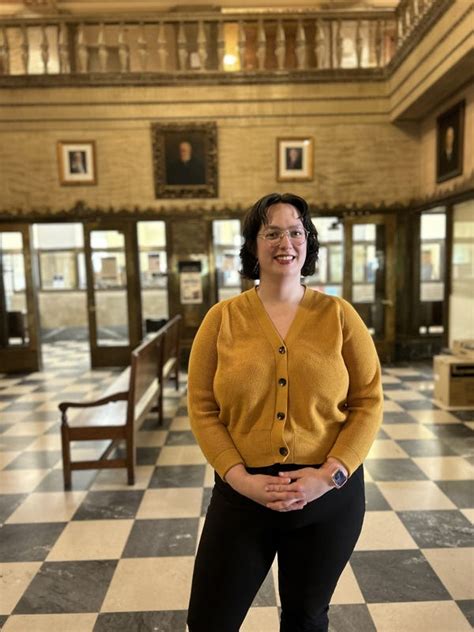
(106, 557)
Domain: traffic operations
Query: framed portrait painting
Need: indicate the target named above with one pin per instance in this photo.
(294, 159)
(449, 143)
(185, 160)
(77, 162)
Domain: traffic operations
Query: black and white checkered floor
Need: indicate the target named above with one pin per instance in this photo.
(108, 557)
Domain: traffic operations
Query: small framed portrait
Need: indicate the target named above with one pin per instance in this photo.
(185, 160)
(76, 162)
(294, 159)
(449, 143)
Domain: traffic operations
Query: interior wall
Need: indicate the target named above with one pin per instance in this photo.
(428, 139)
(359, 156)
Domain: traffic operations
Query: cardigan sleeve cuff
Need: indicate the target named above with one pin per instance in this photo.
(226, 460)
(347, 456)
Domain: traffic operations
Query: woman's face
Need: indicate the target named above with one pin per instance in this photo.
(284, 257)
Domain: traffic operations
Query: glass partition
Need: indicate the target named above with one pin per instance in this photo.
(227, 240)
(330, 266)
(110, 287)
(432, 270)
(153, 273)
(13, 290)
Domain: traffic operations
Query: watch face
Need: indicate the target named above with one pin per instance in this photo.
(339, 478)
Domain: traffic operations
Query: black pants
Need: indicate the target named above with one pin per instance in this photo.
(240, 540)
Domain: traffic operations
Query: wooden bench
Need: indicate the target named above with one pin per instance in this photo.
(114, 416)
(126, 402)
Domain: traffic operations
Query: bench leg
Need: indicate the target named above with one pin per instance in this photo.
(66, 449)
(130, 449)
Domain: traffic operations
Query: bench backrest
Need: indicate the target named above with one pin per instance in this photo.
(145, 368)
(171, 345)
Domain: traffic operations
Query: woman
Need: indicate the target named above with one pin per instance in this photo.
(285, 400)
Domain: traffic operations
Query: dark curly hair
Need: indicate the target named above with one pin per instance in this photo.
(257, 217)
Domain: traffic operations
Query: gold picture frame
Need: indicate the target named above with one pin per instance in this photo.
(295, 159)
(185, 160)
(77, 162)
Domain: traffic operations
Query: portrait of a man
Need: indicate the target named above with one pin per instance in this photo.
(185, 164)
(450, 130)
(294, 158)
(77, 162)
(185, 159)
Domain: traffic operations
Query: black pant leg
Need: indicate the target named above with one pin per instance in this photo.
(312, 557)
(235, 553)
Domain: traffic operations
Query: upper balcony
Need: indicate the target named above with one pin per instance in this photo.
(215, 46)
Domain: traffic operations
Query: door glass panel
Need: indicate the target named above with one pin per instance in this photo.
(368, 275)
(110, 287)
(14, 330)
(226, 240)
(432, 255)
(153, 273)
(330, 265)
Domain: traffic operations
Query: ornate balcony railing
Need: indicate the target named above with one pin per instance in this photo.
(174, 45)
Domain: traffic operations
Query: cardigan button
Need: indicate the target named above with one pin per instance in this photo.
(283, 451)
(280, 416)
(282, 349)
(282, 381)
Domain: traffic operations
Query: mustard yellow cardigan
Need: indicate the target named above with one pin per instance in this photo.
(256, 399)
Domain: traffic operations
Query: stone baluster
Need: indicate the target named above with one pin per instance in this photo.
(300, 48)
(202, 45)
(44, 48)
(261, 46)
(25, 50)
(142, 49)
(123, 49)
(4, 51)
(280, 46)
(82, 52)
(182, 48)
(338, 44)
(161, 44)
(220, 46)
(358, 44)
(241, 45)
(63, 50)
(319, 44)
(102, 49)
(379, 31)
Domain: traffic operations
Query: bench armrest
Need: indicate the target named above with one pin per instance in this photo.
(115, 397)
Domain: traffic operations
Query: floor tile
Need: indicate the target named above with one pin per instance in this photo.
(39, 459)
(408, 495)
(164, 621)
(383, 530)
(438, 528)
(91, 540)
(28, 542)
(14, 580)
(161, 583)
(62, 587)
(20, 481)
(51, 623)
(410, 578)
(435, 616)
(115, 480)
(445, 468)
(149, 439)
(434, 417)
(109, 505)
(350, 618)
(408, 431)
(178, 475)
(461, 493)
(162, 538)
(455, 569)
(393, 470)
(166, 503)
(425, 447)
(467, 608)
(386, 449)
(347, 589)
(262, 619)
(185, 455)
(47, 507)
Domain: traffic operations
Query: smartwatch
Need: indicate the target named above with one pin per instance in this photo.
(339, 478)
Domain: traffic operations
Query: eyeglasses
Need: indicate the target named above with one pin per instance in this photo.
(297, 236)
